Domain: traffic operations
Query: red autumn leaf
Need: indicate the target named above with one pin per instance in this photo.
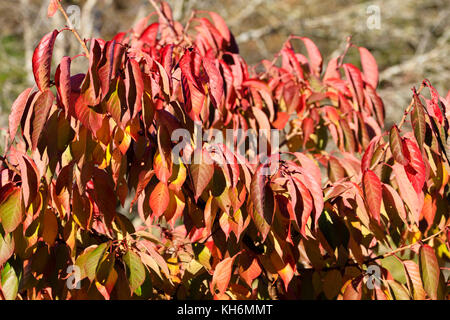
(52, 8)
(429, 270)
(63, 83)
(222, 275)
(366, 160)
(30, 179)
(315, 58)
(263, 201)
(369, 66)
(42, 60)
(192, 89)
(86, 115)
(353, 289)
(17, 111)
(418, 120)
(220, 25)
(413, 273)
(215, 80)
(304, 206)
(134, 86)
(202, 171)
(315, 189)
(373, 193)
(354, 78)
(41, 109)
(415, 170)
(397, 146)
(413, 200)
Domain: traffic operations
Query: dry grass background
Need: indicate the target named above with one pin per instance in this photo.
(413, 41)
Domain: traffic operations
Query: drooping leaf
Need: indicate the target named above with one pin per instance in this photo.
(192, 91)
(413, 200)
(222, 275)
(429, 270)
(369, 66)
(413, 273)
(92, 260)
(202, 171)
(6, 248)
(353, 289)
(63, 83)
(215, 80)
(41, 109)
(399, 291)
(366, 160)
(315, 58)
(10, 208)
(415, 170)
(373, 193)
(17, 111)
(30, 179)
(49, 227)
(10, 282)
(393, 203)
(52, 8)
(159, 199)
(418, 120)
(42, 60)
(263, 201)
(396, 145)
(354, 77)
(135, 270)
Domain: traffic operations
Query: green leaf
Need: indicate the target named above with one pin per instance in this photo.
(135, 270)
(6, 248)
(332, 284)
(104, 268)
(415, 282)
(11, 210)
(93, 259)
(429, 270)
(398, 290)
(10, 282)
(418, 121)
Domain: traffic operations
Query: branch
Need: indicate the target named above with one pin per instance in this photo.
(72, 28)
(163, 16)
(10, 166)
(381, 256)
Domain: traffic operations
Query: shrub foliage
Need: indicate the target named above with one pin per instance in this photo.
(91, 184)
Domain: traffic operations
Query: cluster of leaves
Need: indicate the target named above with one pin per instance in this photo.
(92, 182)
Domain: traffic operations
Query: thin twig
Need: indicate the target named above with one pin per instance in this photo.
(72, 28)
(10, 166)
(163, 16)
(381, 256)
(405, 114)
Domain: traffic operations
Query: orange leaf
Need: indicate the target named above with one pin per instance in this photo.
(159, 199)
(373, 193)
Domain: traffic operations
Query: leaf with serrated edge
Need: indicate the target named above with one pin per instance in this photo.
(135, 270)
(429, 270)
(373, 193)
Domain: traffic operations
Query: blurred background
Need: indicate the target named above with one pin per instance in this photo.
(410, 39)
